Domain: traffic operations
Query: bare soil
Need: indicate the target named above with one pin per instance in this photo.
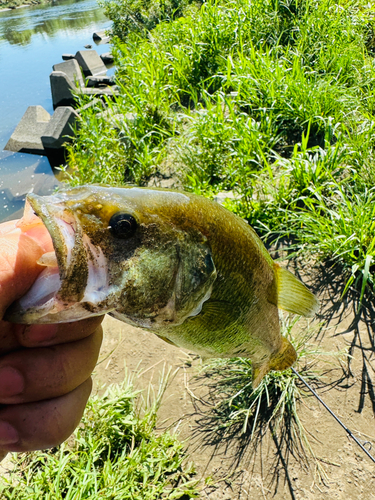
(268, 467)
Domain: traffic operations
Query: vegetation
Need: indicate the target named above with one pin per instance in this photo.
(238, 409)
(13, 4)
(114, 454)
(273, 100)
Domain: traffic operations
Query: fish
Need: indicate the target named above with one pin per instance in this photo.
(176, 264)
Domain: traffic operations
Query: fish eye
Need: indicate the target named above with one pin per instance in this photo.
(122, 225)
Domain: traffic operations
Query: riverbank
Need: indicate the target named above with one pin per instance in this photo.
(271, 107)
(19, 4)
(274, 105)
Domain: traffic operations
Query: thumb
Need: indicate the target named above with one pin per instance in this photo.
(19, 251)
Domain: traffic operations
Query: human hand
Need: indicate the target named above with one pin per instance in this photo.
(44, 369)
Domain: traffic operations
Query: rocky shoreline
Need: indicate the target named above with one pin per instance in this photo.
(84, 73)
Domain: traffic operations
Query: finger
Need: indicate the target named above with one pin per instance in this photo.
(35, 426)
(18, 267)
(48, 335)
(47, 372)
(13, 336)
(6, 227)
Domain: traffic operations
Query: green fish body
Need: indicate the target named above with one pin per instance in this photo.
(176, 264)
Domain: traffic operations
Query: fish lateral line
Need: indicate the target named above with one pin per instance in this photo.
(348, 431)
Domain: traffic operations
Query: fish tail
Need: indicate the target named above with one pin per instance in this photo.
(259, 371)
(280, 361)
(284, 358)
(293, 296)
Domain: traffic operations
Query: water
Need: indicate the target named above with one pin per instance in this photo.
(32, 40)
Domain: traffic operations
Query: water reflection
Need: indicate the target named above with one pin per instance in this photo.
(32, 40)
(20, 25)
(17, 29)
(19, 176)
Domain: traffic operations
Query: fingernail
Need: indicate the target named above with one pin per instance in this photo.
(8, 433)
(11, 382)
(40, 333)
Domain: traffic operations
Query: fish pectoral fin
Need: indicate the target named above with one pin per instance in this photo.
(293, 296)
(284, 358)
(217, 315)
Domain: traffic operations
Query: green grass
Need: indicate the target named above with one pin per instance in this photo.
(341, 227)
(238, 409)
(114, 454)
(272, 100)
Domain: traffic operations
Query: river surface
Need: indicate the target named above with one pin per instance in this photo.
(32, 40)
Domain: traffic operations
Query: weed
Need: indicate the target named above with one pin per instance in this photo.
(238, 408)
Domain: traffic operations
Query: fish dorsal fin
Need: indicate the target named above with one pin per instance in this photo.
(293, 296)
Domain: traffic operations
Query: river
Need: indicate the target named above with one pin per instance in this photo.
(32, 40)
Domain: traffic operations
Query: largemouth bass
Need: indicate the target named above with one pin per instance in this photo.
(176, 264)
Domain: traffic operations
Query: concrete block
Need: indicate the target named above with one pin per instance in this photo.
(61, 89)
(67, 57)
(104, 40)
(107, 91)
(72, 70)
(93, 102)
(96, 81)
(101, 36)
(107, 58)
(90, 63)
(27, 136)
(59, 127)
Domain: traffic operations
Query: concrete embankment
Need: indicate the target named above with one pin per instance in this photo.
(84, 73)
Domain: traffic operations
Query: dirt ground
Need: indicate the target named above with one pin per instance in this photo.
(270, 467)
(265, 469)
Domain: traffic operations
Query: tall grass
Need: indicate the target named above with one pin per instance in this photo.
(273, 100)
(341, 228)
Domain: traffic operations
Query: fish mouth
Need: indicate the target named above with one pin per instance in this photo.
(74, 284)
